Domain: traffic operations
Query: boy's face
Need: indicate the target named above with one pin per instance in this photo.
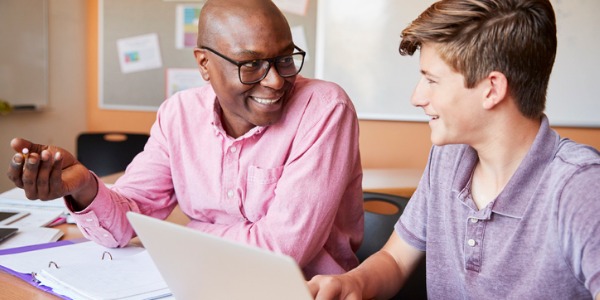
(456, 113)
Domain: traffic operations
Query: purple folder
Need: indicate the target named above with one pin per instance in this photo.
(28, 277)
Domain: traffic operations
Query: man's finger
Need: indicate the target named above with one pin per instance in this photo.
(15, 170)
(30, 173)
(56, 184)
(43, 178)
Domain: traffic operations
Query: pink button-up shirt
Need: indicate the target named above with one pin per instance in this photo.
(293, 187)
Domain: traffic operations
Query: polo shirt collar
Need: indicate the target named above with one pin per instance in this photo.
(520, 190)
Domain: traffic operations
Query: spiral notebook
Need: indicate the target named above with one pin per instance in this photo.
(196, 265)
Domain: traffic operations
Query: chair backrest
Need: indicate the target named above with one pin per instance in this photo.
(381, 214)
(382, 211)
(106, 153)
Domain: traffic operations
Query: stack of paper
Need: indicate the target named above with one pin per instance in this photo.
(41, 213)
(87, 270)
(31, 228)
(16, 196)
(31, 236)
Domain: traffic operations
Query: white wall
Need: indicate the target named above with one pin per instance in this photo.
(65, 115)
(380, 81)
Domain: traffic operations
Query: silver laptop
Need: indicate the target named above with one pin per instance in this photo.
(196, 265)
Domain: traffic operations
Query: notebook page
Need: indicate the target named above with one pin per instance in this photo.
(73, 254)
(131, 277)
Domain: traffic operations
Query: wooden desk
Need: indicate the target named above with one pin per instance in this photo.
(402, 182)
(112, 178)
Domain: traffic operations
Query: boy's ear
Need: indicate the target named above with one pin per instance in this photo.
(202, 61)
(496, 91)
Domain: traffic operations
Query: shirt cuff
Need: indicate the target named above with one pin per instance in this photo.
(89, 222)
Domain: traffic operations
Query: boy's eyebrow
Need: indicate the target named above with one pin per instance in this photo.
(428, 74)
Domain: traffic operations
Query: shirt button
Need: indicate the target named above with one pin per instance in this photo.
(474, 220)
(471, 242)
(89, 220)
(230, 193)
(233, 149)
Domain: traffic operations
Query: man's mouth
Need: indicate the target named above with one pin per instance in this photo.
(265, 100)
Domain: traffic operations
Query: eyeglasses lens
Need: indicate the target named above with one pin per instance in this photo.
(257, 70)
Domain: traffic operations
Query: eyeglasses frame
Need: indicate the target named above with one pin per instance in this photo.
(271, 62)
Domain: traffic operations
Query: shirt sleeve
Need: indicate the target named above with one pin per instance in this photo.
(412, 224)
(146, 187)
(579, 225)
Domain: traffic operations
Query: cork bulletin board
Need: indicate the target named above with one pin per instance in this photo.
(145, 90)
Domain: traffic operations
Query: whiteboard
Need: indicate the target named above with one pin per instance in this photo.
(357, 47)
(24, 53)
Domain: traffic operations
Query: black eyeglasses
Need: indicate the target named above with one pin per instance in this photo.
(255, 70)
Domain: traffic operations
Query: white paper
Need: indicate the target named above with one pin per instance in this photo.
(41, 213)
(186, 27)
(139, 53)
(32, 236)
(68, 255)
(179, 79)
(16, 196)
(83, 269)
(38, 217)
(131, 277)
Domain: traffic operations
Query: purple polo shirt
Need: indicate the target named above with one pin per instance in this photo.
(539, 239)
(294, 187)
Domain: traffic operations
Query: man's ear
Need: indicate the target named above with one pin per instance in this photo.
(496, 90)
(202, 61)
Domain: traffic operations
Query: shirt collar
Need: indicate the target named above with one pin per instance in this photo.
(519, 191)
(218, 125)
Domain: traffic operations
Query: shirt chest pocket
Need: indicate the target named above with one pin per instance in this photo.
(260, 191)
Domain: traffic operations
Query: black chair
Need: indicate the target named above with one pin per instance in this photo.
(382, 211)
(107, 153)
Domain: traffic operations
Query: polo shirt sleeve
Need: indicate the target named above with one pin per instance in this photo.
(579, 226)
(413, 222)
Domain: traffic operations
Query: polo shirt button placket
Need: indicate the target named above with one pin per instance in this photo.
(473, 251)
(471, 242)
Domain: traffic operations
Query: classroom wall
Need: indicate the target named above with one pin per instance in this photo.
(73, 79)
(383, 144)
(64, 116)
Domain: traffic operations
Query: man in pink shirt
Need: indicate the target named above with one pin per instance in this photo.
(261, 155)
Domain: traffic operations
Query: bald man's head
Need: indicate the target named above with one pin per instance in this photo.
(220, 18)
